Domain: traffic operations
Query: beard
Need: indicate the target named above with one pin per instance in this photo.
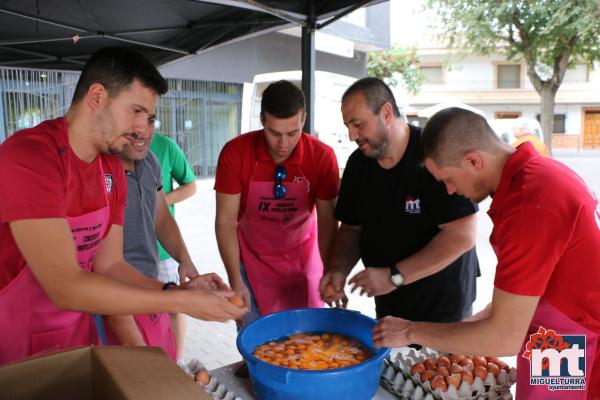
(379, 143)
(481, 193)
(104, 123)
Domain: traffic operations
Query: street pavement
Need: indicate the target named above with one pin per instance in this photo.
(214, 343)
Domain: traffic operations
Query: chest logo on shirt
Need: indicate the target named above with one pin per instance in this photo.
(557, 361)
(412, 205)
(302, 179)
(108, 179)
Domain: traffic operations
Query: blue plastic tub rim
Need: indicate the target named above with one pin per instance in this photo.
(378, 354)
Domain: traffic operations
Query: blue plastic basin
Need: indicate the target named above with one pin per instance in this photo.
(358, 382)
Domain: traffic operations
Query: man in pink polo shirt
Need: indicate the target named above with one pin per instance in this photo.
(546, 237)
(268, 184)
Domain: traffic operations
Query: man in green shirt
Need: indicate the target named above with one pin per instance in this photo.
(174, 167)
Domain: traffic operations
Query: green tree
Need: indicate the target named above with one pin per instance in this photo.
(399, 60)
(548, 35)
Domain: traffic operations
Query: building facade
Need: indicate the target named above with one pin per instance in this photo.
(501, 89)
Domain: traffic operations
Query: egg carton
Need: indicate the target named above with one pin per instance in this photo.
(216, 389)
(397, 379)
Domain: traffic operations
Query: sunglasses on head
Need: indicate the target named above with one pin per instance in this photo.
(279, 191)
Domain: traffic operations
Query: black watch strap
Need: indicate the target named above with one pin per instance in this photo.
(396, 276)
(169, 286)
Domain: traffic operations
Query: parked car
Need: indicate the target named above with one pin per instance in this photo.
(515, 131)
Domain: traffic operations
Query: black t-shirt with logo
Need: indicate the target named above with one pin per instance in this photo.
(400, 210)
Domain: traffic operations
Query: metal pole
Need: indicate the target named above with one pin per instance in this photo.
(308, 66)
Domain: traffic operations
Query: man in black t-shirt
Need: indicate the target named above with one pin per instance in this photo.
(415, 240)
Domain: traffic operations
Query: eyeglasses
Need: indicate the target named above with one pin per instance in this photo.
(279, 191)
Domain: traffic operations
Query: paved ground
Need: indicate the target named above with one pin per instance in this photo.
(214, 343)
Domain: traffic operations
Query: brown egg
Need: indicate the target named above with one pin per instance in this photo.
(236, 300)
(466, 362)
(439, 383)
(430, 364)
(479, 361)
(418, 367)
(493, 368)
(481, 372)
(467, 377)
(443, 371)
(443, 361)
(454, 379)
(454, 368)
(329, 290)
(499, 362)
(202, 377)
(456, 358)
(427, 375)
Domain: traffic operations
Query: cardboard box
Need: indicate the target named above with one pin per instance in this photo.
(108, 372)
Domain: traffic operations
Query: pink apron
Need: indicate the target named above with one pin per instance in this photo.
(155, 330)
(549, 317)
(31, 323)
(279, 247)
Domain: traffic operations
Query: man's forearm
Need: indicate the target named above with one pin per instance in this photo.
(125, 329)
(443, 249)
(327, 228)
(346, 250)
(229, 248)
(169, 236)
(181, 193)
(480, 337)
(127, 273)
(95, 293)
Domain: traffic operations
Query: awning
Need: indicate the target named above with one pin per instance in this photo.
(62, 34)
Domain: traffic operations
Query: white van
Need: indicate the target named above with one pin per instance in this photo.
(506, 128)
(329, 125)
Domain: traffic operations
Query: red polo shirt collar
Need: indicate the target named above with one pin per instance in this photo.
(263, 155)
(525, 153)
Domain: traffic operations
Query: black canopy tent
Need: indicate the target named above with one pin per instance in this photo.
(62, 34)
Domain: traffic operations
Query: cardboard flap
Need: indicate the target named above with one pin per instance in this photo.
(141, 373)
(109, 372)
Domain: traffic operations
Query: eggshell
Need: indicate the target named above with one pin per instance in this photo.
(202, 377)
(454, 379)
(443, 361)
(455, 368)
(493, 368)
(456, 358)
(467, 377)
(430, 364)
(418, 367)
(236, 300)
(481, 372)
(439, 383)
(479, 361)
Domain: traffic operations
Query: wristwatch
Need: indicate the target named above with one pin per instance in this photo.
(396, 276)
(170, 286)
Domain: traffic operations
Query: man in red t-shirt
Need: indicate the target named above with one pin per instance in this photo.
(546, 237)
(61, 217)
(268, 183)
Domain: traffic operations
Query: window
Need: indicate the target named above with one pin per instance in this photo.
(558, 124)
(577, 74)
(508, 76)
(434, 74)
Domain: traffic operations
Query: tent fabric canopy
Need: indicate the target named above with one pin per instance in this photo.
(62, 34)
